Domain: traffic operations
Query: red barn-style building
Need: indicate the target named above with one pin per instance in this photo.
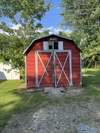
(52, 61)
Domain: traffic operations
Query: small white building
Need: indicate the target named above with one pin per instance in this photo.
(8, 73)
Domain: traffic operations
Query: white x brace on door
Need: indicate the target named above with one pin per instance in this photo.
(62, 65)
(45, 60)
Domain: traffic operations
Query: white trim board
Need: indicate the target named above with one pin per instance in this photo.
(37, 57)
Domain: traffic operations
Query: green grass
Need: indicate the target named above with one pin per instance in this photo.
(15, 99)
(91, 82)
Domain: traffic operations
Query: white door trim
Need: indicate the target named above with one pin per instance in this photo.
(36, 67)
(62, 67)
(70, 63)
(37, 57)
(42, 64)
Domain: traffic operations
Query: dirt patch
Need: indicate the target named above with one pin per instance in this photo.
(76, 117)
(58, 92)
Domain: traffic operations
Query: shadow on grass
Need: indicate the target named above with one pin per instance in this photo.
(20, 101)
(91, 82)
(91, 77)
(1, 81)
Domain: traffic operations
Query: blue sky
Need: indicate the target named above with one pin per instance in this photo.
(53, 18)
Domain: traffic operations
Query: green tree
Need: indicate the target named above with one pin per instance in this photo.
(84, 16)
(74, 35)
(29, 14)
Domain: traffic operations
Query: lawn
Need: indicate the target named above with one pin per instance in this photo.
(15, 99)
(91, 82)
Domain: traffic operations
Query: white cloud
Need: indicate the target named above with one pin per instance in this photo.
(41, 30)
(16, 27)
(3, 32)
(53, 30)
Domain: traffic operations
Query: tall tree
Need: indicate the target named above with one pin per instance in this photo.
(84, 17)
(27, 14)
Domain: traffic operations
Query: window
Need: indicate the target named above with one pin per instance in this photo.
(61, 45)
(50, 47)
(45, 45)
(55, 45)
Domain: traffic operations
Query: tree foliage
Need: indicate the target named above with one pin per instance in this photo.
(72, 35)
(84, 17)
(30, 10)
(14, 41)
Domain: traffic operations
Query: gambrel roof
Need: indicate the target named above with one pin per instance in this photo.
(52, 35)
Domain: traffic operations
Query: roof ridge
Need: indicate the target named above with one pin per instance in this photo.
(43, 38)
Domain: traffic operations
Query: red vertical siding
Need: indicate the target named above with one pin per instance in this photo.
(75, 62)
(30, 66)
(47, 77)
(30, 72)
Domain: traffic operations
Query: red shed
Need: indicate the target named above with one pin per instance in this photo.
(52, 61)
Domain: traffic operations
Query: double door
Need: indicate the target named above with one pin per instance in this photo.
(53, 68)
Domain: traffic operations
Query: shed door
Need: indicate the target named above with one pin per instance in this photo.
(63, 69)
(44, 68)
(53, 68)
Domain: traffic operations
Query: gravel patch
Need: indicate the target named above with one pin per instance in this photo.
(67, 118)
(58, 92)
